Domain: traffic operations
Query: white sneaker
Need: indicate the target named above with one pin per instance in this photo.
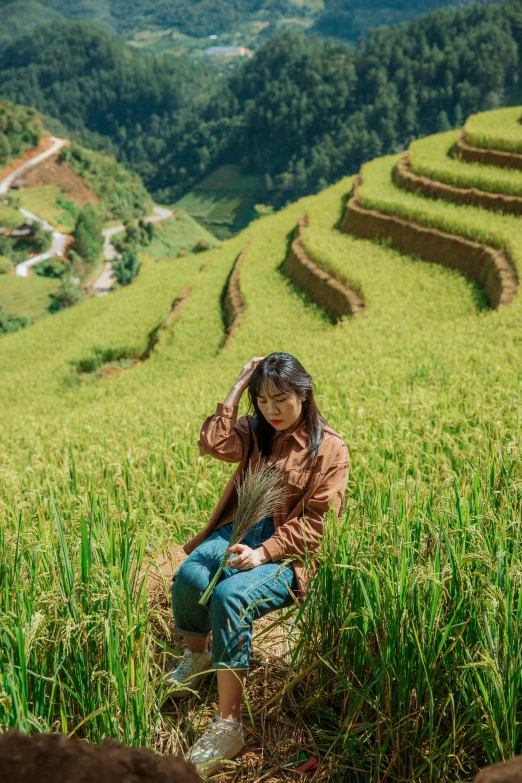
(222, 740)
(189, 672)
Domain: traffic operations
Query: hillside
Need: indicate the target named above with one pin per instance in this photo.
(300, 114)
(104, 94)
(61, 204)
(416, 673)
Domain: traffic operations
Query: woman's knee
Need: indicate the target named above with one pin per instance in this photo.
(226, 601)
(188, 582)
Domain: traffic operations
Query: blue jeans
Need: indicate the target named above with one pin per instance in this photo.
(239, 597)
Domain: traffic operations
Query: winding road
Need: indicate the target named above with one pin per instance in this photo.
(104, 281)
(102, 284)
(6, 183)
(58, 239)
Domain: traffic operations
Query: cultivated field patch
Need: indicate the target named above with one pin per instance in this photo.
(224, 201)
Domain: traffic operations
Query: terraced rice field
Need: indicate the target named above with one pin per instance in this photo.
(496, 130)
(408, 664)
(430, 157)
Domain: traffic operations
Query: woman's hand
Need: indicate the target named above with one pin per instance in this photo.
(246, 557)
(244, 376)
(234, 395)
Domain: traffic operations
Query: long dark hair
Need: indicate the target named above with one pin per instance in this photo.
(284, 370)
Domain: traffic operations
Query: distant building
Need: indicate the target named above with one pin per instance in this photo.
(228, 51)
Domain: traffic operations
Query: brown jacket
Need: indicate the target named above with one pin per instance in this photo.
(311, 490)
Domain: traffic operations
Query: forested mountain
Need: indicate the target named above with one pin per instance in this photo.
(305, 111)
(105, 94)
(345, 19)
(302, 112)
(348, 19)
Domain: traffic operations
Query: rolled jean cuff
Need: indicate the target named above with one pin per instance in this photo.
(196, 634)
(229, 666)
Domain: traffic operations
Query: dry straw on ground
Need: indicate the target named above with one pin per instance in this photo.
(278, 741)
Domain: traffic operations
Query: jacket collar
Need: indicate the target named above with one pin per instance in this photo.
(299, 434)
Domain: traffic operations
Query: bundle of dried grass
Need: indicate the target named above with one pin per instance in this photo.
(258, 495)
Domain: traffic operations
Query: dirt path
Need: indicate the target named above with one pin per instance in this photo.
(103, 283)
(57, 246)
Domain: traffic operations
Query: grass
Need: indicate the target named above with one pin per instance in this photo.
(497, 130)
(45, 202)
(9, 216)
(430, 158)
(408, 665)
(26, 295)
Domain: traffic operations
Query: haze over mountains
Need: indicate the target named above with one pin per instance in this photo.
(345, 19)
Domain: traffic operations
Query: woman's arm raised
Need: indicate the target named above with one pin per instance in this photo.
(222, 435)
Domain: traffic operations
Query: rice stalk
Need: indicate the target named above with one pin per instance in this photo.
(259, 494)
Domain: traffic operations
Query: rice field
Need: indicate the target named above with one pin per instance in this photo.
(179, 233)
(499, 130)
(26, 295)
(408, 661)
(224, 201)
(379, 192)
(430, 157)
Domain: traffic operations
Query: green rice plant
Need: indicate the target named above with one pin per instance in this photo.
(430, 157)
(26, 295)
(497, 130)
(408, 664)
(417, 613)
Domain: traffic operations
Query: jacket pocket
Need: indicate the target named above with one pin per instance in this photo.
(299, 478)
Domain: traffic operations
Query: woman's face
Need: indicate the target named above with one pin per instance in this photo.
(283, 410)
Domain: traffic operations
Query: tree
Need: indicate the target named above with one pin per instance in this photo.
(126, 268)
(52, 267)
(88, 239)
(66, 296)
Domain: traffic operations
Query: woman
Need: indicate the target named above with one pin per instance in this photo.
(288, 431)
